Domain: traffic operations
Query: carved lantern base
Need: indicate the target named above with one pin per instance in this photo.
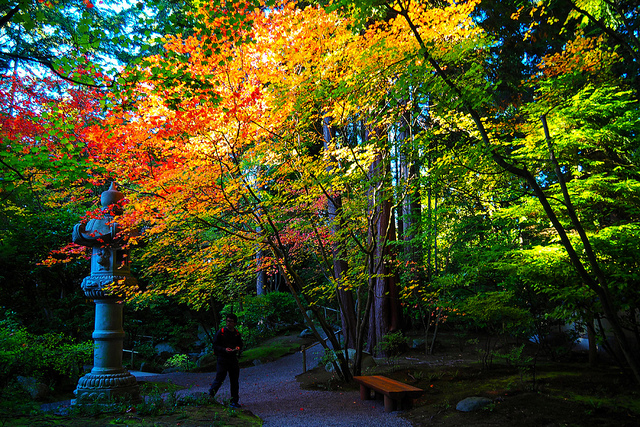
(104, 387)
(108, 379)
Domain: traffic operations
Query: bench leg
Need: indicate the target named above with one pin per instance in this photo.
(389, 404)
(365, 393)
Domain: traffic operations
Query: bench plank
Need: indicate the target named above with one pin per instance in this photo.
(387, 385)
(393, 391)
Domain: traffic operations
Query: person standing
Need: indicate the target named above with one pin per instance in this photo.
(227, 345)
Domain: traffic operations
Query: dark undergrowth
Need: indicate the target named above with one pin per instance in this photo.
(160, 407)
(528, 392)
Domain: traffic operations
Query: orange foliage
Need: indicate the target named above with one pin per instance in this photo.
(583, 54)
(228, 146)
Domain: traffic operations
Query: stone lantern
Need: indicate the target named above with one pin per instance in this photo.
(109, 266)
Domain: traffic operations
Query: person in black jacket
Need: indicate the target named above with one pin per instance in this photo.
(227, 345)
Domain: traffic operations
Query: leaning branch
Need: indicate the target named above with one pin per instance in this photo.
(9, 16)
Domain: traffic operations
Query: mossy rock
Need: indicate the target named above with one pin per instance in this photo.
(207, 362)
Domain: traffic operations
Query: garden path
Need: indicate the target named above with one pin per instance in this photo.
(271, 392)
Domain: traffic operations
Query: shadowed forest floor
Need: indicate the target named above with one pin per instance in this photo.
(566, 392)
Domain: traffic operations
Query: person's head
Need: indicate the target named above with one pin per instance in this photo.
(231, 320)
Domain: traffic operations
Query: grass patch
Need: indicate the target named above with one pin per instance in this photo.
(563, 396)
(273, 349)
(152, 388)
(209, 415)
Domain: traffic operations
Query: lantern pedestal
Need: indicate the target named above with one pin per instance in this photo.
(109, 269)
(108, 379)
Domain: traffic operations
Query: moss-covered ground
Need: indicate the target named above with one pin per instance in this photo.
(565, 392)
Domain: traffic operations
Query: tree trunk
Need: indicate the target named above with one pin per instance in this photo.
(261, 280)
(411, 211)
(346, 302)
(592, 338)
(386, 313)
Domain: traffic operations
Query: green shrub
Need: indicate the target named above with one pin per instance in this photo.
(50, 358)
(498, 314)
(259, 317)
(393, 344)
(285, 308)
(181, 362)
(158, 321)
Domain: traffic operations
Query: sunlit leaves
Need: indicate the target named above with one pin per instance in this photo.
(43, 133)
(234, 155)
(220, 143)
(598, 9)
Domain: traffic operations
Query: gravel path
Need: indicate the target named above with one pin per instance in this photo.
(271, 392)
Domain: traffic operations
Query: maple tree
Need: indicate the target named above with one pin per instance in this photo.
(241, 158)
(56, 60)
(86, 42)
(45, 185)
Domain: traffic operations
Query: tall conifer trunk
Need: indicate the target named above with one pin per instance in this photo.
(346, 301)
(409, 190)
(386, 314)
(261, 279)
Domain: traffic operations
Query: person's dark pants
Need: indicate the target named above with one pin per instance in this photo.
(223, 367)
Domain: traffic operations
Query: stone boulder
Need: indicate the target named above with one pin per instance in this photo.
(164, 347)
(207, 362)
(418, 343)
(474, 403)
(36, 389)
(367, 361)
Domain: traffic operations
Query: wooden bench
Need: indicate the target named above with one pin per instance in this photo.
(394, 392)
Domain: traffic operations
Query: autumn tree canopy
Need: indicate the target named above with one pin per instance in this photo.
(398, 160)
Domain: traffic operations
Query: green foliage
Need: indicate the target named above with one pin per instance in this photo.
(49, 357)
(180, 361)
(329, 357)
(145, 351)
(15, 402)
(259, 317)
(393, 344)
(496, 313)
(517, 357)
(285, 308)
(164, 321)
(32, 225)
(85, 42)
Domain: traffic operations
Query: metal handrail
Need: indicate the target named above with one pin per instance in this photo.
(132, 351)
(303, 349)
